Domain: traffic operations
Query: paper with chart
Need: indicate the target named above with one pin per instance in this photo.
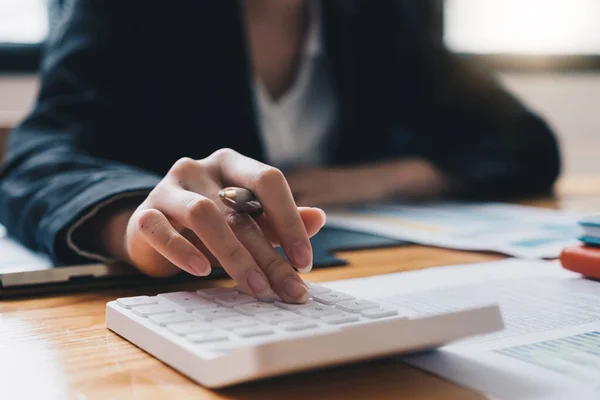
(519, 231)
(550, 348)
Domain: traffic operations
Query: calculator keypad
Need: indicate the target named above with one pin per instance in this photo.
(231, 323)
(339, 319)
(187, 328)
(379, 313)
(234, 299)
(294, 307)
(223, 319)
(332, 298)
(215, 313)
(356, 305)
(277, 317)
(255, 308)
(170, 318)
(137, 301)
(145, 311)
(298, 325)
(318, 311)
(188, 301)
(208, 337)
(254, 331)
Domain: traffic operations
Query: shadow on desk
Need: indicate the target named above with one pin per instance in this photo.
(383, 379)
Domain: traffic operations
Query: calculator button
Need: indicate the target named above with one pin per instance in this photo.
(187, 328)
(298, 325)
(235, 322)
(379, 313)
(332, 298)
(344, 318)
(188, 301)
(255, 308)
(294, 307)
(270, 298)
(356, 305)
(277, 317)
(317, 311)
(215, 313)
(144, 311)
(209, 337)
(214, 292)
(234, 299)
(129, 302)
(316, 289)
(170, 318)
(254, 331)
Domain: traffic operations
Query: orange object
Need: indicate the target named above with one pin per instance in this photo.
(582, 259)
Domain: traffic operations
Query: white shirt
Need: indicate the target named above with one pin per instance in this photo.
(297, 128)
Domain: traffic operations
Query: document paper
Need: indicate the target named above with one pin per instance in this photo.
(14, 257)
(550, 347)
(519, 231)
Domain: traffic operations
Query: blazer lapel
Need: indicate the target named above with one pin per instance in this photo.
(347, 45)
(340, 48)
(236, 84)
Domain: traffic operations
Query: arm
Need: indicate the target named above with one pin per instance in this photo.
(469, 127)
(408, 178)
(454, 131)
(49, 179)
(52, 180)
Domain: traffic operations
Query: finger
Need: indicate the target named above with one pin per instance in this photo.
(284, 279)
(313, 218)
(197, 243)
(204, 218)
(160, 234)
(271, 189)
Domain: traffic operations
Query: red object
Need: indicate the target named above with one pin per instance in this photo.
(582, 259)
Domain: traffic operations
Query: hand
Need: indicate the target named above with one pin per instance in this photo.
(335, 186)
(182, 225)
(338, 186)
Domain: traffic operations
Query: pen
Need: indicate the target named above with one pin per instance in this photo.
(241, 200)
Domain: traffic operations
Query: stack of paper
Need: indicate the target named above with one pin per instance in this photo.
(519, 231)
(14, 257)
(550, 348)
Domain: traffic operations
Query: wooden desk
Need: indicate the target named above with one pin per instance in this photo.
(59, 348)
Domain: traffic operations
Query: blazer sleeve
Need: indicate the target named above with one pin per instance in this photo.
(87, 85)
(467, 124)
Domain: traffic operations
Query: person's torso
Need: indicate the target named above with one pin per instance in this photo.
(195, 90)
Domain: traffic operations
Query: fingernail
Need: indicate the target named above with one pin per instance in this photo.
(323, 214)
(305, 270)
(302, 257)
(199, 266)
(258, 283)
(296, 289)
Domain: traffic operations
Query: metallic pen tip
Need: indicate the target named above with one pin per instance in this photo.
(230, 194)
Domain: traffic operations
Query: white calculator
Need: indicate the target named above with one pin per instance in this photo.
(220, 337)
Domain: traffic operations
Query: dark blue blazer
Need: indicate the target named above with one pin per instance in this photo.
(128, 87)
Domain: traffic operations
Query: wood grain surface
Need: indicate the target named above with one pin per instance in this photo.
(62, 344)
(57, 347)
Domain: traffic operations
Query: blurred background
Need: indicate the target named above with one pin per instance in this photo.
(547, 52)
